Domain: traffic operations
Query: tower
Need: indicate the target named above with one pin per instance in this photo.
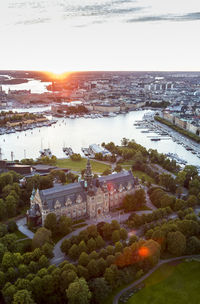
(88, 175)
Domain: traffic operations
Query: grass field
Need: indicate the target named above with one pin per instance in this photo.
(128, 165)
(97, 167)
(171, 284)
(20, 235)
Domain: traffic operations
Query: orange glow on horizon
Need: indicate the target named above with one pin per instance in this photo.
(143, 252)
(59, 76)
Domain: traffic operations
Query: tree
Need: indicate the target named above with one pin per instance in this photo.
(194, 186)
(176, 243)
(50, 222)
(23, 284)
(118, 247)
(110, 249)
(43, 262)
(101, 264)
(64, 225)
(23, 270)
(2, 279)
(11, 205)
(76, 157)
(134, 201)
(191, 173)
(78, 292)
(91, 244)
(12, 226)
(191, 201)
(115, 225)
(181, 177)
(100, 290)
(118, 168)
(110, 260)
(9, 241)
(73, 252)
(106, 172)
(82, 247)
(167, 181)
(8, 260)
(47, 250)
(93, 268)
(123, 234)
(115, 236)
(42, 236)
(3, 211)
(8, 292)
(83, 272)
(93, 255)
(179, 205)
(107, 231)
(3, 249)
(160, 237)
(99, 242)
(83, 259)
(110, 276)
(65, 246)
(92, 231)
(193, 245)
(167, 201)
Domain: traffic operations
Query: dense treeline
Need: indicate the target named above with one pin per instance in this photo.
(142, 159)
(177, 237)
(134, 202)
(16, 117)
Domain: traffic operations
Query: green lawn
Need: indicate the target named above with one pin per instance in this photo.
(20, 235)
(139, 174)
(97, 167)
(127, 165)
(171, 284)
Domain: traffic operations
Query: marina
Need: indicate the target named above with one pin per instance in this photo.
(82, 132)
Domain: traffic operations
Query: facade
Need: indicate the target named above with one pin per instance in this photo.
(92, 197)
(184, 124)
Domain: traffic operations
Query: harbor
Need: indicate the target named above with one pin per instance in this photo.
(81, 133)
(149, 126)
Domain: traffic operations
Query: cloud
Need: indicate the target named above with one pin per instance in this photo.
(109, 8)
(192, 16)
(33, 21)
(176, 18)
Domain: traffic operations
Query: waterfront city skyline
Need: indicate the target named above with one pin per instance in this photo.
(63, 36)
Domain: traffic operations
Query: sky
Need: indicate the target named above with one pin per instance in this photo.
(121, 35)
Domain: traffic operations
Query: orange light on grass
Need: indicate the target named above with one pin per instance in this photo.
(144, 252)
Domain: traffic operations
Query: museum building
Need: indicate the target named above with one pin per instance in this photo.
(89, 198)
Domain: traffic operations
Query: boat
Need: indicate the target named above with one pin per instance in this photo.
(45, 152)
(155, 139)
(68, 151)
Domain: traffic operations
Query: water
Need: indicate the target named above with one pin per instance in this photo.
(36, 86)
(81, 132)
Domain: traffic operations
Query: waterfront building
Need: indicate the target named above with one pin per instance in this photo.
(91, 197)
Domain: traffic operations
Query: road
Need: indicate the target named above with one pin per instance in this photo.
(21, 224)
(161, 262)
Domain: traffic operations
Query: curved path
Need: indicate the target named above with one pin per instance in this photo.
(161, 262)
(21, 224)
(59, 256)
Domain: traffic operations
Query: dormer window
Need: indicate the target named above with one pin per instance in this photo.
(79, 199)
(57, 205)
(68, 202)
